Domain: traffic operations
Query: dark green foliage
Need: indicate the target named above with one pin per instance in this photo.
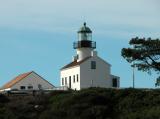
(145, 53)
(3, 99)
(157, 82)
(93, 103)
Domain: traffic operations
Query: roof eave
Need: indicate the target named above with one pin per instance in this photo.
(70, 67)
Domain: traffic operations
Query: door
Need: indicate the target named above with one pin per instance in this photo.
(115, 82)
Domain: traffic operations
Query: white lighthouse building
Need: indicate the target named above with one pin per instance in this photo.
(87, 69)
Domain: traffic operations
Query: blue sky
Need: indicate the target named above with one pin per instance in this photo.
(38, 34)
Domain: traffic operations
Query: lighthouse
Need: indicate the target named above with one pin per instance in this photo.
(84, 46)
(87, 69)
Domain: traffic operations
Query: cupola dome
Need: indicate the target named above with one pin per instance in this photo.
(84, 29)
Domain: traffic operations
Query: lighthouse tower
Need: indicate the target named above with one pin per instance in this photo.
(84, 46)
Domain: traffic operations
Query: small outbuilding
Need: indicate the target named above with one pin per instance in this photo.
(27, 81)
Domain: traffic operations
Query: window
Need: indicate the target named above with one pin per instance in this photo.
(69, 81)
(30, 87)
(39, 86)
(22, 87)
(114, 82)
(62, 81)
(77, 56)
(65, 80)
(93, 64)
(77, 78)
(74, 78)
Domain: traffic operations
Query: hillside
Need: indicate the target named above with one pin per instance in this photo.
(86, 104)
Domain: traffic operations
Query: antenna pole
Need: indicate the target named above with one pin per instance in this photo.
(133, 76)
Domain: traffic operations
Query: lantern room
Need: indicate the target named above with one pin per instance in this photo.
(84, 38)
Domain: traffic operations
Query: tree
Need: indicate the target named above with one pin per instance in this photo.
(144, 54)
(157, 82)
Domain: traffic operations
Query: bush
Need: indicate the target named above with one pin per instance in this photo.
(89, 103)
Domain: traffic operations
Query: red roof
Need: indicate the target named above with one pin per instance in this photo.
(74, 63)
(16, 80)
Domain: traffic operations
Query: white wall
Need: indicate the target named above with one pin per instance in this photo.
(65, 73)
(34, 80)
(99, 76)
(83, 53)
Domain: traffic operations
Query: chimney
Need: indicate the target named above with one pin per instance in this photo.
(94, 53)
(74, 58)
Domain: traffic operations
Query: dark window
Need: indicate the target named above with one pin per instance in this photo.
(74, 78)
(39, 86)
(77, 56)
(69, 81)
(77, 78)
(93, 64)
(22, 87)
(62, 81)
(30, 87)
(114, 82)
(65, 80)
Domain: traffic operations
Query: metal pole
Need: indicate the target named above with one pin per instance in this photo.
(92, 83)
(133, 77)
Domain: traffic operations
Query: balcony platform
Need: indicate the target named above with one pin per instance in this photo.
(84, 44)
